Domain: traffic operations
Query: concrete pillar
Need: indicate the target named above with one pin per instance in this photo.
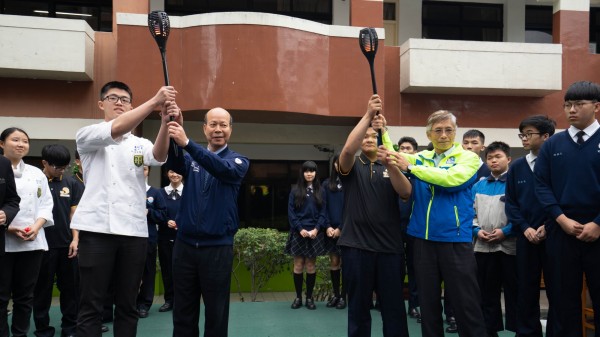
(409, 20)
(341, 13)
(514, 21)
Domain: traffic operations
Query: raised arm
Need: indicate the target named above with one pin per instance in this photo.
(354, 141)
(128, 121)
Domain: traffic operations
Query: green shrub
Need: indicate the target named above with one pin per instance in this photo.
(260, 250)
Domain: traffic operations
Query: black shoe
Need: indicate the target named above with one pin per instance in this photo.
(452, 327)
(143, 313)
(165, 307)
(419, 320)
(341, 304)
(332, 302)
(104, 329)
(297, 303)
(414, 313)
(310, 304)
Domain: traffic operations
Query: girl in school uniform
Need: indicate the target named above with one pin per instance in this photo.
(306, 213)
(334, 200)
(25, 239)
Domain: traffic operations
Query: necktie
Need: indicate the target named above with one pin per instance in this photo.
(580, 135)
(174, 195)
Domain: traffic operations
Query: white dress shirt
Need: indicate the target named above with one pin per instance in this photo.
(530, 158)
(36, 202)
(169, 189)
(589, 131)
(114, 200)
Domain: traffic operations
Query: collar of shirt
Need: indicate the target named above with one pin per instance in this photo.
(365, 160)
(50, 179)
(502, 177)
(530, 158)
(589, 131)
(219, 150)
(437, 157)
(147, 187)
(170, 189)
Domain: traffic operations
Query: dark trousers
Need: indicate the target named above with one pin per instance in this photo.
(413, 296)
(363, 272)
(455, 264)
(146, 294)
(102, 257)
(56, 263)
(18, 275)
(497, 271)
(531, 261)
(568, 259)
(203, 272)
(165, 258)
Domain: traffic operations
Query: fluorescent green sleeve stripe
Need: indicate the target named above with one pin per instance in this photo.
(387, 141)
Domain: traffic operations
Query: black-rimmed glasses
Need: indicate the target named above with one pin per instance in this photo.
(115, 99)
(528, 135)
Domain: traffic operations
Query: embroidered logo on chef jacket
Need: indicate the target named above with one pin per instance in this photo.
(138, 157)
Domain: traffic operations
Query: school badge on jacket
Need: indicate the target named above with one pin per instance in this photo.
(138, 157)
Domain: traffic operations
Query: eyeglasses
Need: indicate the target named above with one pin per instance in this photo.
(60, 168)
(115, 99)
(439, 132)
(528, 135)
(568, 105)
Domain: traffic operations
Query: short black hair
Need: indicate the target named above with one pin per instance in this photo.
(115, 85)
(410, 140)
(583, 90)
(542, 123)
(495, 146)
(474, 133)
(56, 154)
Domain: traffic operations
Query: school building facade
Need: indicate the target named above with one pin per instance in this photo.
(291, 71)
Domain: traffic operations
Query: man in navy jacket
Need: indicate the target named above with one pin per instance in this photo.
(568, 186)
(207, 221)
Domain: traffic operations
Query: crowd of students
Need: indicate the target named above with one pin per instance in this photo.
(469, 228)
(483, 228)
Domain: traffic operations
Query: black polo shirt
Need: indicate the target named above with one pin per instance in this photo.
(371, 210)
(66, 193)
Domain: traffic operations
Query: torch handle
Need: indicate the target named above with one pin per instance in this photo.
(167, 83)
(374, 84)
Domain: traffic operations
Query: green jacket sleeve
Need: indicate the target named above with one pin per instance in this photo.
(462, 172)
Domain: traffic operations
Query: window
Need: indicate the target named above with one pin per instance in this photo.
(389, 11)
(315, 10)
(97, 13)
(538, 24)
(595, 30)
(462, 21)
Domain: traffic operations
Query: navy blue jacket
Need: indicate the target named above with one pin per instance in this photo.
(208, 215)
(522, 208)
(334, 203)
(164, 232)
(309, 216)
(568, 178)
(157, 212)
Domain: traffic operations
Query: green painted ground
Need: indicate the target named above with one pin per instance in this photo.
(264, 319)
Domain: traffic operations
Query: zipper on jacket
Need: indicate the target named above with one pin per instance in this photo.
(428, 212)
(457, 221)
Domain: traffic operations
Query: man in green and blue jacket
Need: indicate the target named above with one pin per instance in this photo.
(442, 224)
